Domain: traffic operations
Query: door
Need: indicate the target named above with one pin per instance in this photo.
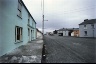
(31, 35)
(28, 34)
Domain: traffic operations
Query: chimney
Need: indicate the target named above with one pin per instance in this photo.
(85, 20)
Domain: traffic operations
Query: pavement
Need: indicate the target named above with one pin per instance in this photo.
(28, 53)
(60, 49)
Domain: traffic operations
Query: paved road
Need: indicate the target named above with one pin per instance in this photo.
(70, 49)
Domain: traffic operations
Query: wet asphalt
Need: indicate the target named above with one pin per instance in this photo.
(60, 49)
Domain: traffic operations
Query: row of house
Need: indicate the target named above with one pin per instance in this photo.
(17, 26)
(86, 29)
(67, 32)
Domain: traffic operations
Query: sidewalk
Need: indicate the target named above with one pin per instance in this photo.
(29, 53)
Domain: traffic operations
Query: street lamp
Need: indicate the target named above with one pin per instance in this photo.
(43, 19)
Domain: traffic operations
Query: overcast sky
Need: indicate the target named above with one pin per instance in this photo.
(61, 13)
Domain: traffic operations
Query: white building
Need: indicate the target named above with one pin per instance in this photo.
(65, 31)
(17, 26)
(39, 34)
(72, 34)
(88, 28)
(68, 32)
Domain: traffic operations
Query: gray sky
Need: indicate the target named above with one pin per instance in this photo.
(61, 13)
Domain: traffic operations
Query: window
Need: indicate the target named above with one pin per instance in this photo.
(85, 27)
(85, 33)
(18, 34)
(28, 19)
(32, 23)
(92, 26)
(19, 9)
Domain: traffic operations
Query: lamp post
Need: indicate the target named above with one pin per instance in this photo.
(43, 19)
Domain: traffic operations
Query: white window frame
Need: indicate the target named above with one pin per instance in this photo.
(85, 26)
(86, 33)
(20, 35)
(19, 9)
(28, 19)
(92, 26)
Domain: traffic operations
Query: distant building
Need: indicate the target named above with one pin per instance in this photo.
(75, 32)
(62, 32)
(39, 34)
(68, 32)
(88, 28)
(17, 26)
(55, 32)
(49, 33)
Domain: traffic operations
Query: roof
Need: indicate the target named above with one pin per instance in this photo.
(76, 28)
(27, 10)
(91, 21)
(39, 30)
(63, 29)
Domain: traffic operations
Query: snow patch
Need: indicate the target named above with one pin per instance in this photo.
(39, 41)
(24, 59)
(29, 59)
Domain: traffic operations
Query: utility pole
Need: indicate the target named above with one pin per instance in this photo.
(43, 16)
(43, 19)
